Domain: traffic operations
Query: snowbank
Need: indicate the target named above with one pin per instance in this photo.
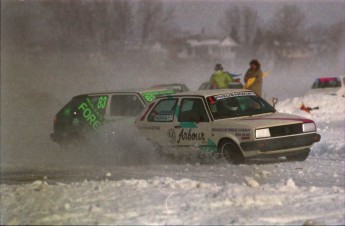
(169, 201)
(329, 119)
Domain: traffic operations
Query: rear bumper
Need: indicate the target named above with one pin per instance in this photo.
(299, 141)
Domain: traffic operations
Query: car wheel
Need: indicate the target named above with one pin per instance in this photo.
(298, 157)
(72, 141)
(231, 152)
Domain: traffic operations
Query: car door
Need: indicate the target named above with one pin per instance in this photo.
(121, 112)
(160, 122)
(192, 128)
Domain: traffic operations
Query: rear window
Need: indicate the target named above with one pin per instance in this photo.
(326, 83)
(88, 110)
(125, 105)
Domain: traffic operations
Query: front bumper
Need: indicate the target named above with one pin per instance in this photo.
(281, 143)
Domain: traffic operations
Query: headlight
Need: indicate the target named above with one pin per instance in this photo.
(309, 127)
(262, 133)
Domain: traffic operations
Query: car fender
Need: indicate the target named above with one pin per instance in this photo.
(230, 136)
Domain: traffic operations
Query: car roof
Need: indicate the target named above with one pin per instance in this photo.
(169, 84)
(137, 91)
(207, 93)
(330, 77)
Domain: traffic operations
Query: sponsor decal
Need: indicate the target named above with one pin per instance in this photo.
(211, 147)
(102, 102)
(150, 127)
(188, 125)
(163, 118)
(184, 135)
(242, 133)
(231, 130)
(172, 135)
(304, 120)
(150, 96)
(90, 112)
(236, 94)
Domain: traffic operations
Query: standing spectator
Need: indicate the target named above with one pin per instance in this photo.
(253, 77)
(220, 79)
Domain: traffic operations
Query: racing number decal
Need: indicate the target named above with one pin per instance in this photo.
(102, 102)
(149, 97)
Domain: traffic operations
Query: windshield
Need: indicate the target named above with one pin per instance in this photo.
(326, 83)
(237, 105)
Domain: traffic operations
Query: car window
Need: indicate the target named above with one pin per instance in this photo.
(235, 85)
(237, 105)
(164, 111)
(89, 110)
(125, 105)
(192, 110)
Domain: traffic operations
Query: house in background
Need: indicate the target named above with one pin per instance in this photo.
(210, 48)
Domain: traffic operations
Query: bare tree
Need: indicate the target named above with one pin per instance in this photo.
(231, 23)
(250, 18)
(286, 38)
(288, 23)
(241, 23)
(155, 20)
(96, 21)
(328, 43)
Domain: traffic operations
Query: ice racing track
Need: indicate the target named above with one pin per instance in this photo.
(315, 171)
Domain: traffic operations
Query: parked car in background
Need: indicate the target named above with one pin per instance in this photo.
(232, 85)
(234, 124)
(329, 85)
(177, 87)
(87, 117)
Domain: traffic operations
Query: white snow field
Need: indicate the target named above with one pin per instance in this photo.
(281, 192)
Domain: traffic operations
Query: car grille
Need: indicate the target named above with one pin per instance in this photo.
(285, 130)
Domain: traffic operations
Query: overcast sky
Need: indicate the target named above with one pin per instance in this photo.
(193, 15)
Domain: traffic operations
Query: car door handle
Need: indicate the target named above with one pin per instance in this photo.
(177, 127)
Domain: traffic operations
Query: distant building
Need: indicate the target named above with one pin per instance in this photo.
(210, 48)
(290, 50)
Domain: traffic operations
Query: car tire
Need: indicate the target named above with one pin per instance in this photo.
(72, 141)
(231, 152)
(300, 157)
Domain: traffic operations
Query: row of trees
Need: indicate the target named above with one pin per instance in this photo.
(70, 23)
(111, 25)
(287, 31)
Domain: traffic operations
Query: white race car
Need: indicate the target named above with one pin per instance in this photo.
(234, 124)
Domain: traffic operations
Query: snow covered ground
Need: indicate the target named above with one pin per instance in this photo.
(280, 192)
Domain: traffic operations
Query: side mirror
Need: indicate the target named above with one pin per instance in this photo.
(274, 101)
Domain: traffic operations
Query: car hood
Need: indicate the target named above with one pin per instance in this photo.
(263, 121)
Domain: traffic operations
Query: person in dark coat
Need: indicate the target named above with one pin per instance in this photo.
(254, 72)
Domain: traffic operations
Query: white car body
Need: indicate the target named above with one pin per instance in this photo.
(202, 121)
